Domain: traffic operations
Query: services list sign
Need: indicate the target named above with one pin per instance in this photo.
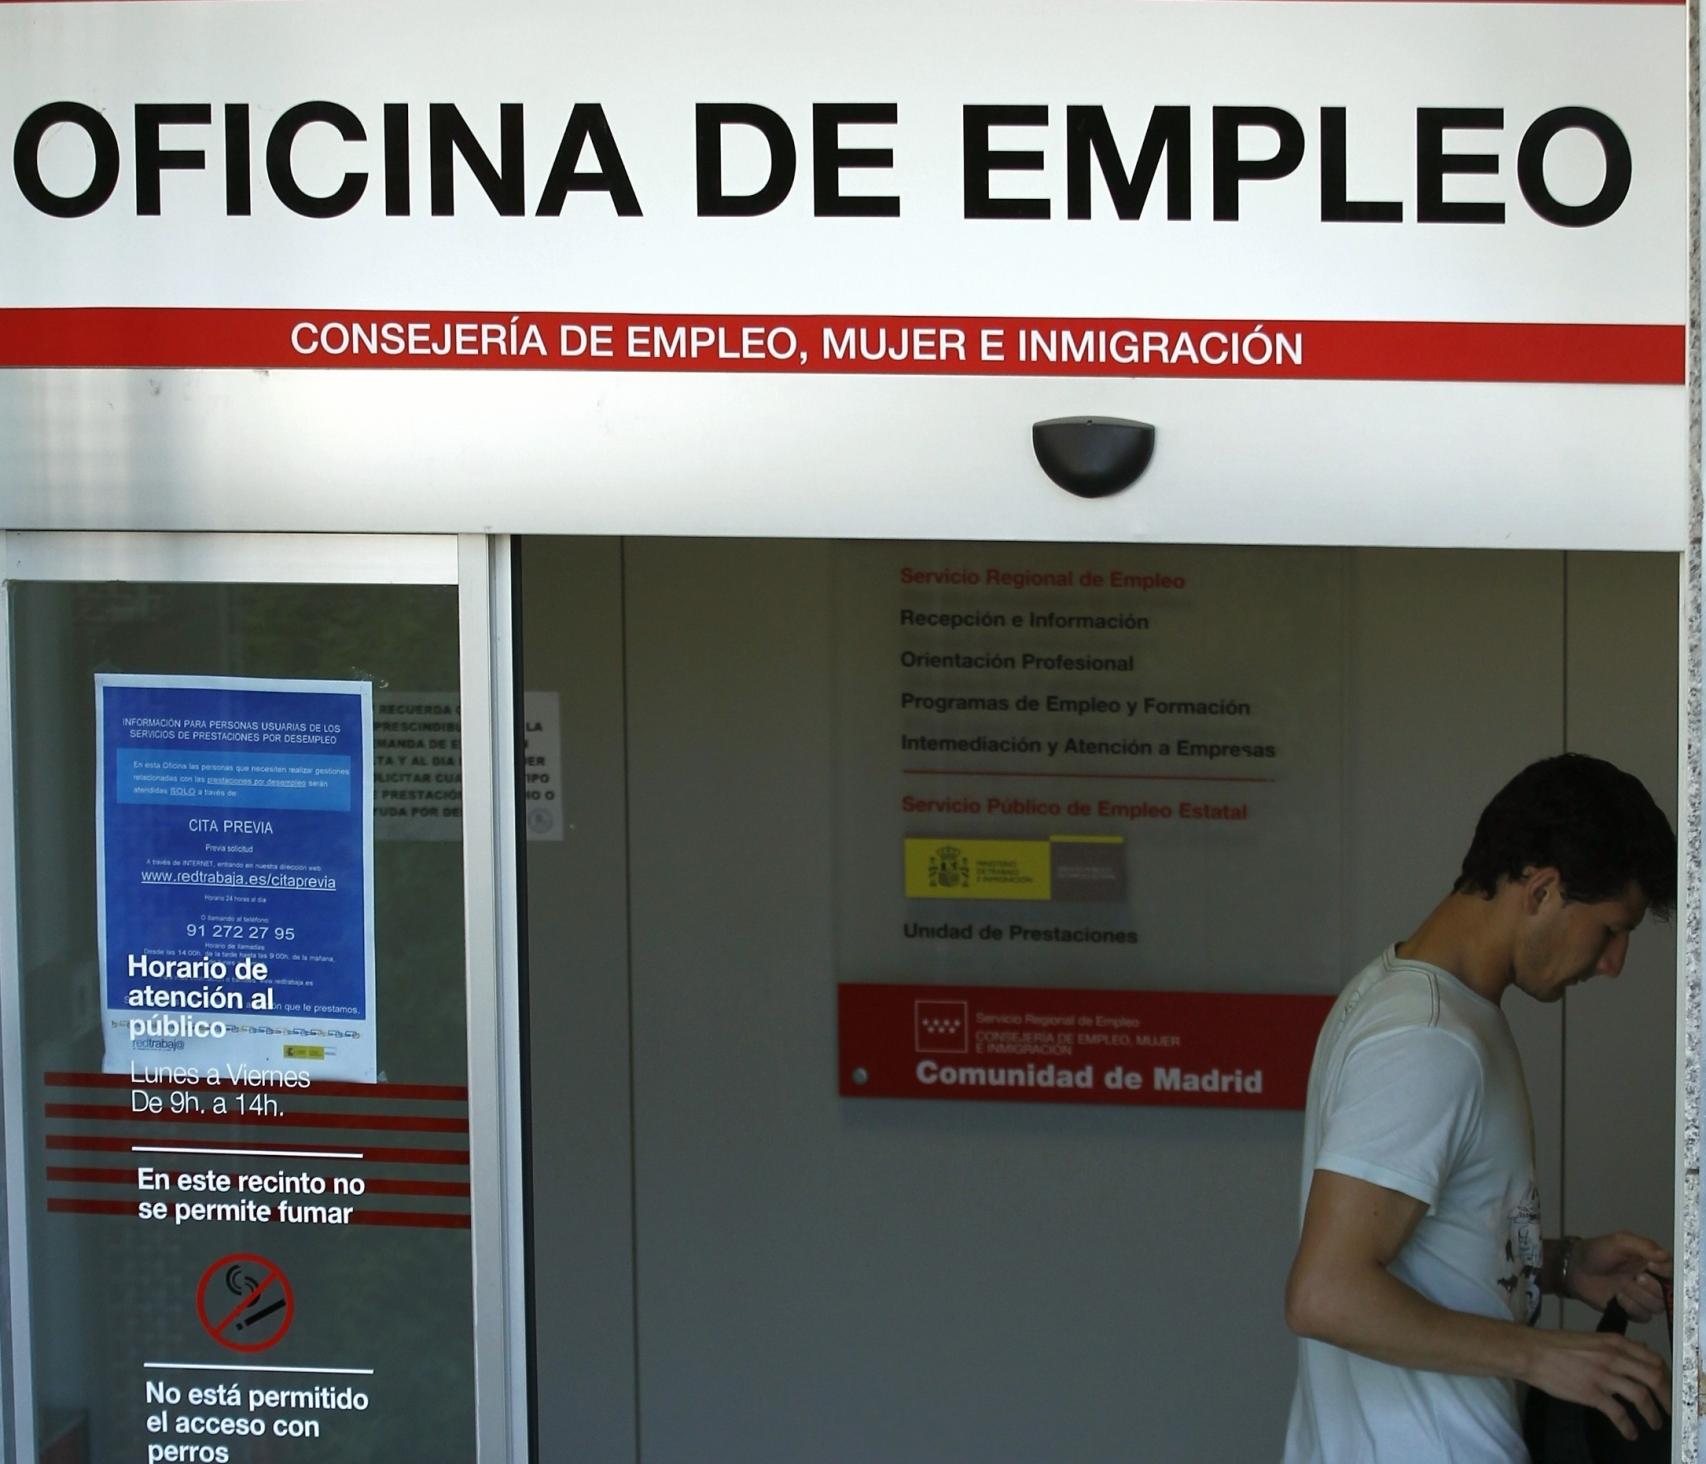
(234, 832)
(1089, 765)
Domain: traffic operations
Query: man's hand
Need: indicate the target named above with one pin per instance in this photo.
(1620, 1267)
(1603, 1371)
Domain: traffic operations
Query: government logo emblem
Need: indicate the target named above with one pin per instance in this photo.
(949, 869)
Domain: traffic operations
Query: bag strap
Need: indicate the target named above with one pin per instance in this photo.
(1615, 1319)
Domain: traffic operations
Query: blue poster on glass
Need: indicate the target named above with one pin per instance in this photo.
(234, 831)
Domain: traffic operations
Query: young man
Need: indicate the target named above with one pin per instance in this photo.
(1420, 1267)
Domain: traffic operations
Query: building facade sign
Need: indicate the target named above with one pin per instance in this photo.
(1410, 249)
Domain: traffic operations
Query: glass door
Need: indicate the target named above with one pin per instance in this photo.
(258, 1070)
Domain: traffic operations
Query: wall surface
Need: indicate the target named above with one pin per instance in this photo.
(731, 1261)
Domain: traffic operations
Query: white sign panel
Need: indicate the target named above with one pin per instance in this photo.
(1256, 162)
(1102, 765)
(1198, 213)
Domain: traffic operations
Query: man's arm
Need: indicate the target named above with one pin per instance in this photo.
(1340, 1291)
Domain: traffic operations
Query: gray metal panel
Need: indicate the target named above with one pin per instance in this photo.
(1620, 1104)
(577, 928)
(1245, 462)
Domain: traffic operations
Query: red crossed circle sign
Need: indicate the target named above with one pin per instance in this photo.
(245, 1302)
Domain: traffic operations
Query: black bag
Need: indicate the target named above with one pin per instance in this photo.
(1557, 1432)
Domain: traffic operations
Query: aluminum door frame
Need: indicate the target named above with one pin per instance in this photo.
(479, 566)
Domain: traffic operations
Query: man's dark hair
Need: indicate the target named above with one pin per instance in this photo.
(1592, 822)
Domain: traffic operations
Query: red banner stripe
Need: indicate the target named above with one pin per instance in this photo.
(106, 1144)
(419, 1219)
(126, 1174)
(407, 1122)
(318, 1087)
(1341, 350)
(98, 1174)
(443, 1189)
(92, 1207)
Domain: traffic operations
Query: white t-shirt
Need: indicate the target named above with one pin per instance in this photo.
(1417, 1087)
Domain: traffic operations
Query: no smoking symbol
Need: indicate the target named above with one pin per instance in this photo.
(245, 1302)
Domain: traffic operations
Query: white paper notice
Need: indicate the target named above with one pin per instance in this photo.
(542, 776)
(417, 772)
(417, 778)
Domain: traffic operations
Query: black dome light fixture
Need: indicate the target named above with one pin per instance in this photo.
(1093, 456)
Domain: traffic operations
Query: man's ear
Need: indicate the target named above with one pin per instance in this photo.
(1541, 885)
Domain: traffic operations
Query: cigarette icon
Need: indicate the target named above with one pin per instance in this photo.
(250, 1318)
